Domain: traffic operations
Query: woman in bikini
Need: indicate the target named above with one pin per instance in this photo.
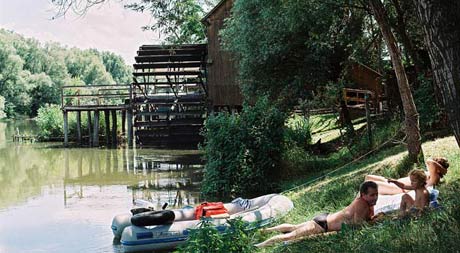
(437, 168)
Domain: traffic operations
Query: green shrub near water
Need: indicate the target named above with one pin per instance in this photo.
(237, 238)
(50, 121)
(243, 152)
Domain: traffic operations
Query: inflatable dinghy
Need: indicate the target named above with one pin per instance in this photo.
(166, 229)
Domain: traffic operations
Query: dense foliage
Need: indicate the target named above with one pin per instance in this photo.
(237, 238)
(243, 152)
(31, 73)
(284, 47)
(179, 21)
(428, 108)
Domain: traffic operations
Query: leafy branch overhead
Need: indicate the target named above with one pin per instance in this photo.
(177, 21)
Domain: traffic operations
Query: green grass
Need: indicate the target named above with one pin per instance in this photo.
(323, 122)
(435, 231)
(324, 126)
(300, 166)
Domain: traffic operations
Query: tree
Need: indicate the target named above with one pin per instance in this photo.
(43, 92)
(410, 111)
(283, 47)
(441, 22)
(31, 75)
(115, 65)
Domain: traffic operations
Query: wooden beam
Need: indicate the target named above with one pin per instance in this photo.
(90, 142)
(123, 122)
(130, 128)
(79, 127)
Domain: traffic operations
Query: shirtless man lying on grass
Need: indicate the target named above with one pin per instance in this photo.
(359, 211)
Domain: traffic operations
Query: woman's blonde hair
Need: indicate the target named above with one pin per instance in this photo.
(419, 175)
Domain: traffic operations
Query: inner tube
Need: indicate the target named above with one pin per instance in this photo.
(135, 211)
(153, 218)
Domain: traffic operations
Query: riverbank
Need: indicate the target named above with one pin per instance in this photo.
(437, 231)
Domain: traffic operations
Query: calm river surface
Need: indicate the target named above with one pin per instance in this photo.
(63, 200)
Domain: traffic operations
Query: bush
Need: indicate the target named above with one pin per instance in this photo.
(50, 121)
(298, 132)
(243, 152)
(207, 239)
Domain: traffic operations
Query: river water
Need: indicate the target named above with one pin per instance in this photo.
(63, 200)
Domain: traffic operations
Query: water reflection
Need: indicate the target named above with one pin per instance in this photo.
(62, 200)
(158, 178)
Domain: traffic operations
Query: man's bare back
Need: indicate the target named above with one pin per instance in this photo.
(356, 213)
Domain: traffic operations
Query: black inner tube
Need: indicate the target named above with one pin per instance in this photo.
(153, 218)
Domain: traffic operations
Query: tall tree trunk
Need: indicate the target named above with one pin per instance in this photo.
(405, 39)
(410, 112)
(441, 23)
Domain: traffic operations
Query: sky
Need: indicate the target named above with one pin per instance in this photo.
(106, 27)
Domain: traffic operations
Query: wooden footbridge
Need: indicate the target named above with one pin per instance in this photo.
(165, 106)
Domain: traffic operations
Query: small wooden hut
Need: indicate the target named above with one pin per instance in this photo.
(364, 80)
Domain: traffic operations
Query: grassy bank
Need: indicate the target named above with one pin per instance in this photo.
(437, 231)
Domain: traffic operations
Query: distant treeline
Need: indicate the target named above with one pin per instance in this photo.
(32, 73)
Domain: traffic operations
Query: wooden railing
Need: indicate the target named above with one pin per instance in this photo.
(357, 97)
(95, 95)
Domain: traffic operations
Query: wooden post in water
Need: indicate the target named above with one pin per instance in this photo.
(107, 127)
(79, 127)
(96, 129)
(90, 137)
(130, 128)
(114, 128)
(368, 118)
(66, 129)
(123, 122)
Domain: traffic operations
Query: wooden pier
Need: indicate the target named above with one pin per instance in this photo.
(165, 106)
(24, 138)
(112, 100)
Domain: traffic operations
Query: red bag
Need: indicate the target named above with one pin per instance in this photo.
(207, 209)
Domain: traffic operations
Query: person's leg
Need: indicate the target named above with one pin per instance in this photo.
(283, 228)
(386, 188)
(307, 228)
(375, 178)
(406, 202)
